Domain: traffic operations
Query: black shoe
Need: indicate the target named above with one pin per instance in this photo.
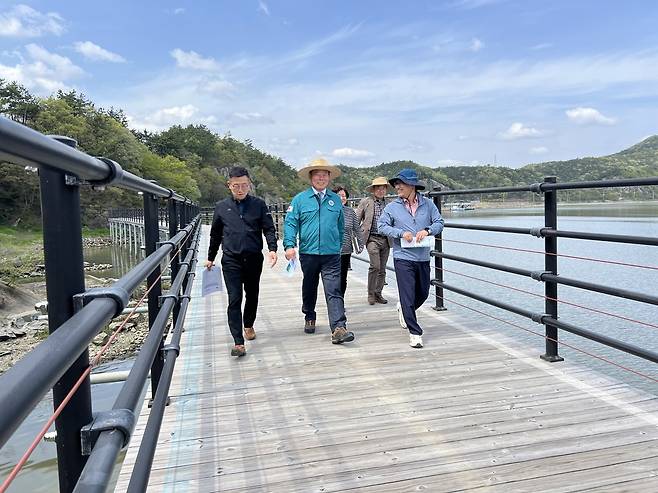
(380, 299)
(309, 327)
(341, 335)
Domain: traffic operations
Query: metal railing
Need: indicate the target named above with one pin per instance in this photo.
(87, 442)
(549, 275)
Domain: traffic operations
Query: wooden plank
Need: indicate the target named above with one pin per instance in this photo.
(466, 412)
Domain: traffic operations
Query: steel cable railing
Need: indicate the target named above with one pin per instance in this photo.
(570, 346)
(575, 305)
(549, 275)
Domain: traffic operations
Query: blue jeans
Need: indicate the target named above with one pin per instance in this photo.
(413, 287)
(329, 267)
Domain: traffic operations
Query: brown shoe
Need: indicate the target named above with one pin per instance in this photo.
(238, 350)
(309, 326)
(341, 335)
(380, 299)
(249, 333)
(372, 300)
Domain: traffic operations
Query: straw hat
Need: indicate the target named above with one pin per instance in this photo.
(318, 164)
(380, 180)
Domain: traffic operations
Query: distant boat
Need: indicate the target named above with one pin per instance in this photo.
(462, 206)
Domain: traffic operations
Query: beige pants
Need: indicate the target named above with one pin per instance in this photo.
(378, 250)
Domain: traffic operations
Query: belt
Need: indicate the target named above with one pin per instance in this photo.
(378, 235)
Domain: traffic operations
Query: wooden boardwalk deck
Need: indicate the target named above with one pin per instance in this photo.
(467, 412)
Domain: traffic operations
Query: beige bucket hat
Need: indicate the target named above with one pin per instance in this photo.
(380, 180)
(318, 164)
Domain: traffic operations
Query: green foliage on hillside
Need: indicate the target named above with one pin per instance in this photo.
(195, 161)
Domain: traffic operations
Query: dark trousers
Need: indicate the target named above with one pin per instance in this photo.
(344, 267)
(329, 267)
(413, 288)
(241, 272)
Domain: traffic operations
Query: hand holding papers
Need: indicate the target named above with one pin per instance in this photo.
(291, 267)
(427, 242)
(211, 280)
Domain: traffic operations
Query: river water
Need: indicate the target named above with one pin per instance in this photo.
(640, 219)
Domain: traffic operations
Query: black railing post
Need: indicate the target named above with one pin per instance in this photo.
(550, 266)
(173, 229)
(151, 238)
(438, 261)
(62, 245)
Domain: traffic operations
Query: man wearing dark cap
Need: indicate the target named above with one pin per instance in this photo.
(408, 220)
(239, 224)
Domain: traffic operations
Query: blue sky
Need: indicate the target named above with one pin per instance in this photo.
(359, 82)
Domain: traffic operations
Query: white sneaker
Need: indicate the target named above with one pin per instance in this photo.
(403, 324)
(415, 341)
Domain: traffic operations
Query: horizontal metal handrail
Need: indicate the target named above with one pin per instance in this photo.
(558, 233)
(22, 145)
(97, 472)
(144, 460)
(544, 186)
(547, 320)
(25, 384)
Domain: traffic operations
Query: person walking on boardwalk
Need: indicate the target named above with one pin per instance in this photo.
(238, 225)
(352, 235)
(316, 217)
(408, 220)
(377, 244)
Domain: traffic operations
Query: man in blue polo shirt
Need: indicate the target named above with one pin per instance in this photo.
(409, 219)
(315, 216)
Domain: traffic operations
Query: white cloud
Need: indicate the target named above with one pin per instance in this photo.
(41, 71)
(474, 4)
(240, 118)
(519, 131)
(262, 7)
(23, 21)
(541, 46)
(588, 116)
(191, 59)
(476, 45)
(94, 52)
(215, 86)
(538, 150)
(179, 11)
(348, 152)
(174, 115)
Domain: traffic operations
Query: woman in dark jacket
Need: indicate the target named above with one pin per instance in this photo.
(351, 236)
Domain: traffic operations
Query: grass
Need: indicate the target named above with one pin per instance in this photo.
(22, 249)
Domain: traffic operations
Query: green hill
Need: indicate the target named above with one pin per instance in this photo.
(195, 161)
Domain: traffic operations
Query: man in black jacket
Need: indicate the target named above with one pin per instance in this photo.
(239, 224)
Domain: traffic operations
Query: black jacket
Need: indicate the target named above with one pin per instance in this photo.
(241, 231)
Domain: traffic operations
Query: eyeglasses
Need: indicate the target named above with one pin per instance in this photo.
(240, 186)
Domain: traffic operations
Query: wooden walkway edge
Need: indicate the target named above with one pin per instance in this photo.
(469, 412)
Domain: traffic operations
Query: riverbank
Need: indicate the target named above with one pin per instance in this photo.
(21, 331)
(22, 286)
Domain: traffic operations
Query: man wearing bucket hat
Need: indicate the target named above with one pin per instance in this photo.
(409, 219)
(315, 216)
(377, 244)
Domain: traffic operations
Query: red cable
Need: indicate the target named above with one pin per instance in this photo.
(554, 340)
(17, 468)
(648, 324)
(591, 259)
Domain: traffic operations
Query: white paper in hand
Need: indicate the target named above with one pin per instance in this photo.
(211, 281)
(427, 242)
(291, 267)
